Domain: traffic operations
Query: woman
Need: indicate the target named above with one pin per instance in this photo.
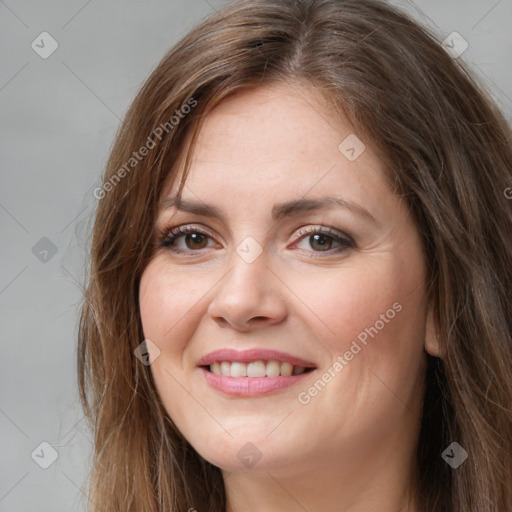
(299, 274)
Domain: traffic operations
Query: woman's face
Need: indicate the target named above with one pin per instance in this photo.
(338, 288)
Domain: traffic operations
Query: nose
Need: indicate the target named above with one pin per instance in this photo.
(249, 295)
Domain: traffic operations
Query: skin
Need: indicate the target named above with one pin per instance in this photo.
(351, 447)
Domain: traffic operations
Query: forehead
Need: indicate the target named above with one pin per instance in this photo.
(278, 142)
(270, 123)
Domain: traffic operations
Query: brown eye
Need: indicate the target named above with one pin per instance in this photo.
(322, 240)
(193, 239)
(196, 241)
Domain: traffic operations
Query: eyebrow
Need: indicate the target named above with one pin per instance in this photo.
(279, 211)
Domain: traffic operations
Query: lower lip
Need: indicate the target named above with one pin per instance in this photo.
(250, 386)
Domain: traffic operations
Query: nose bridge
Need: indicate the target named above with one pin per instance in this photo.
(247, 279)
(249, 289)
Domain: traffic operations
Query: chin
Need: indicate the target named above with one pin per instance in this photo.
(246, 453)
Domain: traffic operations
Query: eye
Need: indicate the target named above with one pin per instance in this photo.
(321, 239)
(193, 238)
(189, 239)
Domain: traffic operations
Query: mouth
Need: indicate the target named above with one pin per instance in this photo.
(254, 369)
(253, 372)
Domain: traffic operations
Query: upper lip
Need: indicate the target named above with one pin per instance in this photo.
(255, 354)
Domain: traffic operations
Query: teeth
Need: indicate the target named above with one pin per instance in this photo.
(273, 369)
(215, 368)
(286, 369)
(239, 370)
(255, 369)
(225, 368)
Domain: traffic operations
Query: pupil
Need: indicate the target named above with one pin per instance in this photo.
(195, 238)
(321, 239)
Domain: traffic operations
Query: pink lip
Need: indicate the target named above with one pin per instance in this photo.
(255, 354)
(250, 386)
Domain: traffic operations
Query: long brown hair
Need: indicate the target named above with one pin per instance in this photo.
(447, 150)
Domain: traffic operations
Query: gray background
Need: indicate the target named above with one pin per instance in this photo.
(59, 118)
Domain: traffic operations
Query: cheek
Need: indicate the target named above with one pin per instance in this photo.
(167, 308)
(371, 316)
(343, 302)
(372, 313)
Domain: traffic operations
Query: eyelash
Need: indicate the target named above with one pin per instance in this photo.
(169, 235)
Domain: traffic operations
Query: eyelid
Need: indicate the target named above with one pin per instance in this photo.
(169, 235)
(182, 229)
(326, 230)
(192, 228)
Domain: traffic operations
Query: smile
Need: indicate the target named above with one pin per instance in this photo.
(253, 372)
(256, 369)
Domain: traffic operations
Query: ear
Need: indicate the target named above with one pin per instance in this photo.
(432, 339)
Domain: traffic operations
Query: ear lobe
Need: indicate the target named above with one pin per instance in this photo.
(432, 341)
